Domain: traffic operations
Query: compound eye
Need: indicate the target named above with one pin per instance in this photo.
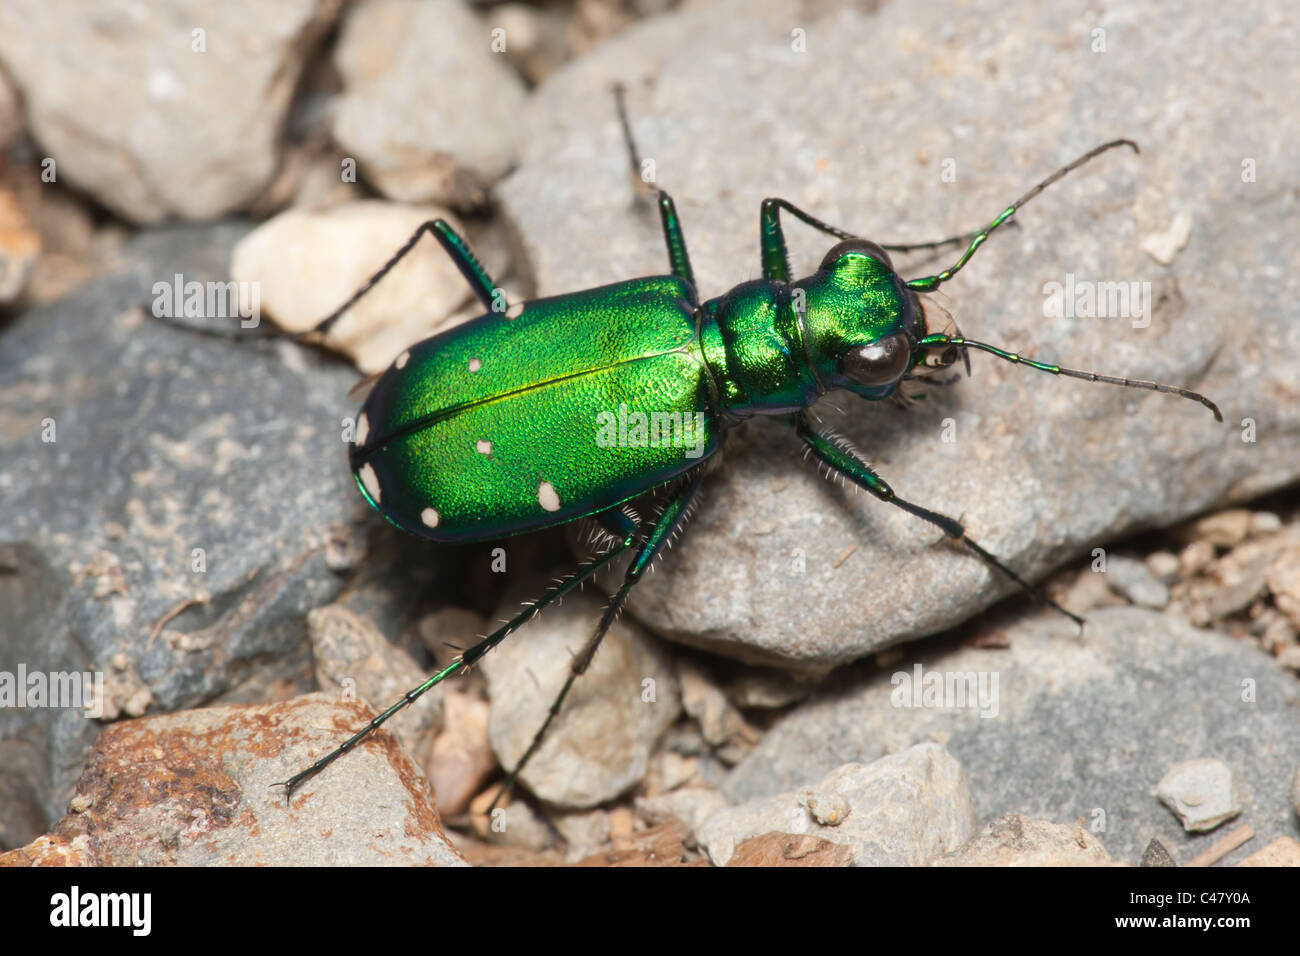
(880, 363)
(865, 246)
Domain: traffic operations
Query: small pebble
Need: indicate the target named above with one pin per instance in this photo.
(828, 809)
(1202, 793)
(461, 759)
(1133, 580)
(705, 701)
(1195, 558)
(515, 824)
(585, 832)
(1290, 657)
(769, 689)
(1157, 854)
(691, 805)
(1283, 578)
(1087, 592)
(1164, 566)
(1277, 636)
(1227, 529)
(1264, 522)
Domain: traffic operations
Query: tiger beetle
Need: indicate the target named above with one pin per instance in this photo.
(488, 429)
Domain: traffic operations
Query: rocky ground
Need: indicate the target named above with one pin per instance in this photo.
(810, 677)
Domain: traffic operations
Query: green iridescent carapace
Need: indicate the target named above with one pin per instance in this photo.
(571, 406)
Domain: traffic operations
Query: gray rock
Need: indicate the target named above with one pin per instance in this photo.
(1264, 522)
(1163, 566)
(584, 832)
(516, 824)
(828, 809)
(906, 809)
(1157, 854)
(136, 115)
(1013, 840)
(600, 743)
(428, 109)
(11, 114)
(1040, 468)
(176, 531)
(1295, 791)
(1203, 793)
(768, 688)
(537, 40)
(1134, 580)
(1084, 726)
(705, 701)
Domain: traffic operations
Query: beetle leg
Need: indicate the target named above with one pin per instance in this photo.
(665, 526)
(679, 262)
(459, 251)
(776, 260)
(775, 256)
(468, 658)
(843, 461)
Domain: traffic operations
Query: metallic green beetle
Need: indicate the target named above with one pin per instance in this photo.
(494, 428)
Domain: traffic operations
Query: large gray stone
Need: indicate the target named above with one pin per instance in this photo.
(428, 107)
(188, 513)
(1079, 727)
(902, 810)
(161, 111)
(860, 130)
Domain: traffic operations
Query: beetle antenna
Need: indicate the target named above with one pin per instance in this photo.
(942, 341)
(930, 283)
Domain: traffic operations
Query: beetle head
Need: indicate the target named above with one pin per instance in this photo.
(862, 321)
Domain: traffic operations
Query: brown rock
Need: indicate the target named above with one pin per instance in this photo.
(20, 247)
(1226, 529)
(461, 760)
(789, 849)
(661, 846)
(1284, 582)
(198, 788)
(1284, 851)
(51, 850)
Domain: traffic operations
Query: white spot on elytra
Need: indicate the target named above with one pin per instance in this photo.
(429, 517)
(403, 359)
(484, 447)
(363, 428)
(475, 364)
(547, 498)
(370, 480)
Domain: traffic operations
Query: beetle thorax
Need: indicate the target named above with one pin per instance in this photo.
(754, 347)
